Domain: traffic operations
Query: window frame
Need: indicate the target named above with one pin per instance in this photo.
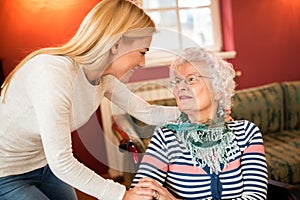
(160, 59)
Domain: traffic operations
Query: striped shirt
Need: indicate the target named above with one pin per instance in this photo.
(170, 163)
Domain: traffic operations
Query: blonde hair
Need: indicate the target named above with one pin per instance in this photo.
(103, 26)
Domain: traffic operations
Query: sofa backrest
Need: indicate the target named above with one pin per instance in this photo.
(262, 105)
(272, 107)
(291, 91)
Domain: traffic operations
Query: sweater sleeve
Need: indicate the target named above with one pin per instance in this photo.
(51, 92)
(119, 94)
(253, 164)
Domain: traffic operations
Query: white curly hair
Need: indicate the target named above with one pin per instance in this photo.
(222, 72)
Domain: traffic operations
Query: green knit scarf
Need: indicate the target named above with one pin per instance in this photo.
(212, 144)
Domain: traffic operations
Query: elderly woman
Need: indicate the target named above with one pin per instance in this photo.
(200, 156)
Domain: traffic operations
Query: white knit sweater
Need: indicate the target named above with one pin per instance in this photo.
(48, 98)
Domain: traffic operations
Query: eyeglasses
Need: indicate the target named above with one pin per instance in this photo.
(189, 79)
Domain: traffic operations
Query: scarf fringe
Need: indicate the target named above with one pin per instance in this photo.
(212, 146)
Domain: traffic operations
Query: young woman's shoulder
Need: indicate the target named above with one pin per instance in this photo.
(53, 62)
(50, 67)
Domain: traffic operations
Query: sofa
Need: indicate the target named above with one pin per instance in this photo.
(274, 108)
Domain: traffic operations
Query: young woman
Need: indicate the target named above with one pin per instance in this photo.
(200, 156)
(54, 91)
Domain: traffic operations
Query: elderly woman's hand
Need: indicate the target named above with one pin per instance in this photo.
(158, 192)
(139, 192)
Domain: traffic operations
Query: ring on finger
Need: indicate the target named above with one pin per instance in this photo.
(155, 195)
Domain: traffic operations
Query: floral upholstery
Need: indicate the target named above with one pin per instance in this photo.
(283, 156)
(292, 101)
(262, 105)
(275, 109)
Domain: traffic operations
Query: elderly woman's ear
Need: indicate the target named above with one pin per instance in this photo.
(227, 115)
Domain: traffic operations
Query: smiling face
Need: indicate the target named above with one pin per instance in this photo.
(125, 57)
(196, 100)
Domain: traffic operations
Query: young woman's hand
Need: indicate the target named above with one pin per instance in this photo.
(139, 192)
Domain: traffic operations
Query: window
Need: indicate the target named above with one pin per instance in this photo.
(182, 23)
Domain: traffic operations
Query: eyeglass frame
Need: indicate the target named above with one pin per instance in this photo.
(178, 80)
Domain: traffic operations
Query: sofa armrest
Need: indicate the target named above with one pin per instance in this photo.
(282, 191)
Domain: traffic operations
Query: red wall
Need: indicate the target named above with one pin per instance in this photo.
(267, 40)
(29, 25)
(266, 35)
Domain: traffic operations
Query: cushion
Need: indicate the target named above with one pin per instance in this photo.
(291, 91)
(262, 105)
(283, 156)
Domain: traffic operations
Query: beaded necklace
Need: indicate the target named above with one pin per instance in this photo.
(211, 145)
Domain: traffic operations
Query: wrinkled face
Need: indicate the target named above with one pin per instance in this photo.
(126, 57)
(196, 100)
